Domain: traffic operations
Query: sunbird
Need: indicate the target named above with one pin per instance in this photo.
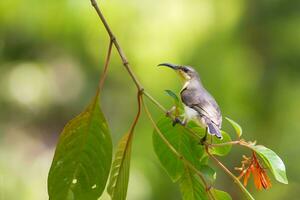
(199, 104)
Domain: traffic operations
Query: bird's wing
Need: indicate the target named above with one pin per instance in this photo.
(212, 114)
(203, 103)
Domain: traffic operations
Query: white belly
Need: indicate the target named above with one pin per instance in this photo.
(191, 114)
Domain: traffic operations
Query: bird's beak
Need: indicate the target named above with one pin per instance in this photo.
(175, 67)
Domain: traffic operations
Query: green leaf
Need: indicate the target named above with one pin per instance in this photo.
(196, 129)
(191, 188)
(236, 126)
(220, 195)
(220, 150)
(273, 161)
(173, 95)
(180, 139)
(82, 158)
(209, 174)
(119, 176)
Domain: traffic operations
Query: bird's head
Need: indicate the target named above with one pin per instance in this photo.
(185, 72)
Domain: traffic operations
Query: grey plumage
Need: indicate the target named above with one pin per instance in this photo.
(195, 96)
(199, 104)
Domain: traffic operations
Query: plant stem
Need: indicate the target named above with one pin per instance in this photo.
(139, 98)
(238, 142)
(104, 73)
(181, 157)
(126, 64)
(224, 144)
(141, 91)
(116, 44)
(154, 101)
(123, 57)
(235, 179)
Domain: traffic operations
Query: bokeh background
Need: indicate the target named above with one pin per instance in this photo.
(51, 56)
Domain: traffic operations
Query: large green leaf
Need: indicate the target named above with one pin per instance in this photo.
(220, 195)
(180, 139)
(238, 129)
(118, 181)
(82, 158)
(273, 161)
(191, 187)
(220, 150)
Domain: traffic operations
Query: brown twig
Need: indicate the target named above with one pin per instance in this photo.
(104, 73)
(125, 61)
(223, 144)
(235, 142)
(139, 97)
(116, 44)
(123, 57)
(235, 179)
(141, 91)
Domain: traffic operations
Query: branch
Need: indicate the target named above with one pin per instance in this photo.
(235, 179)
(123, 57)
(181, 157)
(104, 73)
(116, 44)
(240, 142)
(223, 144)
(154, 101)
(139, 97)
(161, 107)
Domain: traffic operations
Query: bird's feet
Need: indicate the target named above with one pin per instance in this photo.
(178, 121)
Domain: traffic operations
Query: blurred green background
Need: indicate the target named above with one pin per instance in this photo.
(51, 56)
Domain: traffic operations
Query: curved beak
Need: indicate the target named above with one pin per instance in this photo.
(175, 67)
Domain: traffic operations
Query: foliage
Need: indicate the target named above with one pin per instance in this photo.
(82, 158)
(221, 150)
(272, 161)
(119, 175)
(179, 138)
(236, 126)
(83, 155)
(190, 150)
(191, 187)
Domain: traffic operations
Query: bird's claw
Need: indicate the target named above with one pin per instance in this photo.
(178, 121)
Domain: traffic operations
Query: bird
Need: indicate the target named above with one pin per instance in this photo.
(199, 105)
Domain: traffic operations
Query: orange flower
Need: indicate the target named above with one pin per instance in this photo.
(253, 166)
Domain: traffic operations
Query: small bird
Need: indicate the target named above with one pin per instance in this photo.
(199, 105)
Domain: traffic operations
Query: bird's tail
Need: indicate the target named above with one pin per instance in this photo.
(214, 130)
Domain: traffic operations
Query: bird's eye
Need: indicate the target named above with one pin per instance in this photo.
(185, 70)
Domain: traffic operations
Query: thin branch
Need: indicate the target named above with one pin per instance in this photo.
(161, 107)
(125, 61)
(123, 57)
(223, 144)
(235, 142)
(181, 157)
(116, 44)
(141, 91)
(139, 98)
(235, 179)
(104, 73)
